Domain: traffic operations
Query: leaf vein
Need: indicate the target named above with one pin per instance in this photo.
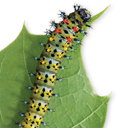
(90, 114)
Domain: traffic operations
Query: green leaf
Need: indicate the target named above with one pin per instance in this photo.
(77, 105)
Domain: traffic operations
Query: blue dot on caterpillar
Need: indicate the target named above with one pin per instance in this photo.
(60, 41)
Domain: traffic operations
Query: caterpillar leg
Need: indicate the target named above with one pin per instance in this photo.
(62, 14)
(20, 125)
(53, 24)
(22, 114)
(55, 95)
(77, 41)
(88, 26)
(30, 88)
(48, 32)
(25, 102)
(32, 74)
(42, 44)
(36, 58)
(43, 123)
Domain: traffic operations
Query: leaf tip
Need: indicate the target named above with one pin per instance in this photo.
(107, 7)
(24, 24)
(109, 96)
(24, 27)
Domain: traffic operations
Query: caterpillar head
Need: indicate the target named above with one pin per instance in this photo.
(84, 14)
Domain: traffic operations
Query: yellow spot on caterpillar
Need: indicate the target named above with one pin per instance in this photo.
(29, 119)
(56, 67)
(39, 77)
(36, 90)
(51, 39)
(38, 122)
(33, 105)
(48, 50)
(59, 56)
(53, 80)
(50, 94)
(45, 108)
(43, 62)
(65, 48)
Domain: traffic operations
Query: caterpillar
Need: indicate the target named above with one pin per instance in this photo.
(63, 38)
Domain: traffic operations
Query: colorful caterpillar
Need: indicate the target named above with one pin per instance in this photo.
(62, 39)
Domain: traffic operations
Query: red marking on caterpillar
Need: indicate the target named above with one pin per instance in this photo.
(69, 39)
(65, 21)
(58, 31)
(75, 29)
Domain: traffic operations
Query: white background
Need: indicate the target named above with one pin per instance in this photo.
(99, 47)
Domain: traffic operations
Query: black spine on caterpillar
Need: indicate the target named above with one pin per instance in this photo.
(61, 39)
